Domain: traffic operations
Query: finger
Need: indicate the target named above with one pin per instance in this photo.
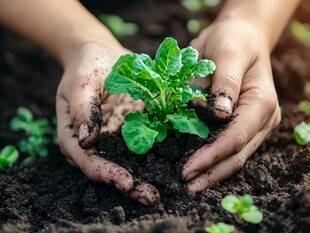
(94, 167)
(85, 108)
(252, 115)
(145, 194)
(227, 167)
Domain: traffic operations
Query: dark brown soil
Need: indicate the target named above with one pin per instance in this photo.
(49, 195)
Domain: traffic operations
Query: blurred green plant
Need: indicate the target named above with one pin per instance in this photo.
(242, 206)
(8, 156)
(301, 31)
(220, 228)
(194, 26)
(304, 106)
(118, 26)
(302, 133)
(37, 132)
(199, 5)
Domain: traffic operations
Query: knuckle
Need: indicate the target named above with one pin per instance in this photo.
(239, 161)
(241, 140)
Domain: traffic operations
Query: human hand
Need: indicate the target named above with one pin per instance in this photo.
(82, 104)
(243, 78)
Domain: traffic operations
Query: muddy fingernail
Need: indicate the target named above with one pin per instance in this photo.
(83, 131)
(143, 201)
(223, 107)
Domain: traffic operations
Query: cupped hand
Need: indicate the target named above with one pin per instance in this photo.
(243, 81)
(83, 107)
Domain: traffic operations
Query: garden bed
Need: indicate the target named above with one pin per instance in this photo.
(49, 195)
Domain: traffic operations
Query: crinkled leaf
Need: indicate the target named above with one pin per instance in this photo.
(168, 59)
(302, 133)
(161, 129)
(188, 122)
(229, 202)
(189, 56)
(203, 68)
(122, 80)
(138, 136)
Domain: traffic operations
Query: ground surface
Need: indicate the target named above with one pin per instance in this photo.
(51, 196)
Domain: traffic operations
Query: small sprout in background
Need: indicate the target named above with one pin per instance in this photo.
(199, 5)
(118, 27)
(301, 31)
(195, 26)
(242, 206)
(302, 133)
(220, 228)
(304, 106)
(36, 132)
(8, 156)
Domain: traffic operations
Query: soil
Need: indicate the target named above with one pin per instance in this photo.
(49, 195)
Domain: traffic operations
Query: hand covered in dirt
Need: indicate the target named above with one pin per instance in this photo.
(243, 81)
(84, 108)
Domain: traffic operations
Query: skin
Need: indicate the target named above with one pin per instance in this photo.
(239, 42)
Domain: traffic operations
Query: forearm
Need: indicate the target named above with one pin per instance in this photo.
(58, 26)
(270, 16)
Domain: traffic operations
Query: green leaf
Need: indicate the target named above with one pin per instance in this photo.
(138, 136)
(42, 151)
(25, 114)
(16, 124)
(188, 122)
(8, 156)
(302, 133)
(203, 68)
(161, 129)
(189, 56)
(220, 228)
(252, 216)
(168, 59)
(123, 80)
(246, 200)
(304, 106)
(229, 202)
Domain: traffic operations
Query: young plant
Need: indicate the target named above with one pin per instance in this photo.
(36, 131)
(8, 156)
(302, 133)
(220, 228)
(242, 206)
(163, 85)
(304, 106)
(118, 27)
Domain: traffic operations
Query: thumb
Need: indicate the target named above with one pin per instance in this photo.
(226, 82)
(85, 108)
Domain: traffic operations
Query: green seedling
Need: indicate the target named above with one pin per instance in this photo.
(8, 156)
(36, 131)
(220, 228)
(117, 26)
(199, 5)
(194, 26)
(244, 207)
(302, 133)
(301, 31)
(163, 85)
(304, 106)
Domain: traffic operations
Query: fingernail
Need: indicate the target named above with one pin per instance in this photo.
(223, 107)
(83, 131)
(191, 175)
(143, 201)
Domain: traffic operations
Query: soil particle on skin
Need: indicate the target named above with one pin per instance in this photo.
(52, 196)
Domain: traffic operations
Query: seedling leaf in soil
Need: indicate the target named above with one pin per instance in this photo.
(36, 131)
(302, 133)
(242, 206)
(163, 85)
(304, 106)
(8, 156)
(118, 26)
(220, 228)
